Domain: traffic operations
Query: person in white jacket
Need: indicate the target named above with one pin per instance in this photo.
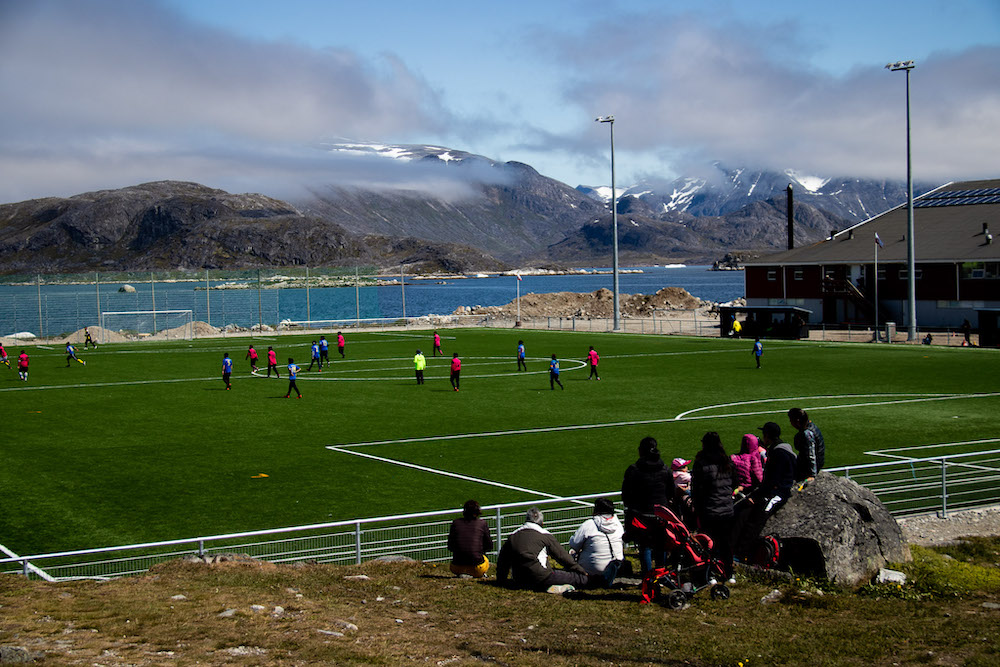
(598, 542)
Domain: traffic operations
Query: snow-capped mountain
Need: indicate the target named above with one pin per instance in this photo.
(724, 190)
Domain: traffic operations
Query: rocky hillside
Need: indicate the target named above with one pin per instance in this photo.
(649, 236)
(185, 225)
(508, 210)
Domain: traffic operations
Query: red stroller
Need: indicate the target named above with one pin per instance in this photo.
(690, 566)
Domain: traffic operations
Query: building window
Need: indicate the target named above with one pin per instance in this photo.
(980, 270)
(798, 274)
(904, 274)
(772, 274)
(881, 274)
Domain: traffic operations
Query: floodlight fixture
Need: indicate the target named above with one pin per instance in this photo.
(911, 334)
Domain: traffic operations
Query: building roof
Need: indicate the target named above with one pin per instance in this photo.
(948, 227)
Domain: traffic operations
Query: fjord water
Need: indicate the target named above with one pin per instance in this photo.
(52, 310)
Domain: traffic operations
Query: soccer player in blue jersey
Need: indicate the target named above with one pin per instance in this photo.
(758, 349)
(554, 374)
(71, 355)
(227, 370)
(315, 358)
(520, 356)
(324, 351)
(292, 372)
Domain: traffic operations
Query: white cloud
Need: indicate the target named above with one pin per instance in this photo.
(706, 92)
(106, 92)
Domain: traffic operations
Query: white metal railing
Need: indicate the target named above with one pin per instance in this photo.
(422, 535)
(939, 484)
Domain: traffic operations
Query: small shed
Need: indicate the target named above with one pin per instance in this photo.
(788, 322)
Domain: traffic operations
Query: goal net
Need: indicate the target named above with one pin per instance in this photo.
(142, 324)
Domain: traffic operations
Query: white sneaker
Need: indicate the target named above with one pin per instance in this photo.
(731, 581)
(559, 589)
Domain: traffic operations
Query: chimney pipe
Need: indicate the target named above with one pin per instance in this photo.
(986, 228)
(833, 232)
(791, 217)
(850, 234)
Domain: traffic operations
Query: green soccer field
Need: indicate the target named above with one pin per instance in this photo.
(144, 443)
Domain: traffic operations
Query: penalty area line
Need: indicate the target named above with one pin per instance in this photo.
(444, 473)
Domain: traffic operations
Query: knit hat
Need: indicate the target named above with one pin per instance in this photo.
(679, 463)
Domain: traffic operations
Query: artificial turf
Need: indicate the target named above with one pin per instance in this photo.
(144, 443)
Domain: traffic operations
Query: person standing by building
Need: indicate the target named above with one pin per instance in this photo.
(592, 360)
(293, 371)
(252, 356)
(227, 370)
(758, 349)
(419, 364)
(87, 340)
(456, 370)
(272, 362)
(341, 342)
(554, 374)
(71, 355)
(469, 541)
(437, 345)
(520, 356)
(22, 366)
(808, 443)
(324, 351)
(314, 350)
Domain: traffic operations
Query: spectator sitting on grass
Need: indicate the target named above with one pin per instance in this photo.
(598, 542)
(524, 558)
(469, 541)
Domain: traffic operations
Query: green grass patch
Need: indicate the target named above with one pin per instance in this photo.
(144, 443)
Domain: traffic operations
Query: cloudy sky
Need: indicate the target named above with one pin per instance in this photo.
(241, 94)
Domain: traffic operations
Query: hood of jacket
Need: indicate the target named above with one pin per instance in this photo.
(607, 523)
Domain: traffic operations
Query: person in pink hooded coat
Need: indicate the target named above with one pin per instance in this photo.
(747, 466)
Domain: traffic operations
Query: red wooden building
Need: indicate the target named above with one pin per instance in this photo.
(957, 264)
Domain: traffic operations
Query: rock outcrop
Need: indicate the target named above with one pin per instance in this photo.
(837, 529)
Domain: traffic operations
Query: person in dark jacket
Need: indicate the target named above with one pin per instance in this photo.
(779, 469)
(712, 484)
(808, 443)
(524, 558)
(469, 540)
(647, 482)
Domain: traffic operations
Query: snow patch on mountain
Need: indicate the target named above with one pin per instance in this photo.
(811, 183)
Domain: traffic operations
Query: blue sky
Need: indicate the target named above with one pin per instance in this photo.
(239, 94)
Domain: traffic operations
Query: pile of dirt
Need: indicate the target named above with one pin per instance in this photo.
(201, 330)
(99, 334)
(599, 304)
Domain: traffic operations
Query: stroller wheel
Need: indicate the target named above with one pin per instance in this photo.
(719, 592)
(677, 599)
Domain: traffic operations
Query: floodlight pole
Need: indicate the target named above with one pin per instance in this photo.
(911, 334)
(614, 222)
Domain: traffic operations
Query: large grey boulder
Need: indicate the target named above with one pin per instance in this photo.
(837, 529)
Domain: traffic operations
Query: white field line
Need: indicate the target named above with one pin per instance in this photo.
(886, 452)
(34, 568)
(435, 471)
(661, 420)
(927, 397)
(123, 383)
